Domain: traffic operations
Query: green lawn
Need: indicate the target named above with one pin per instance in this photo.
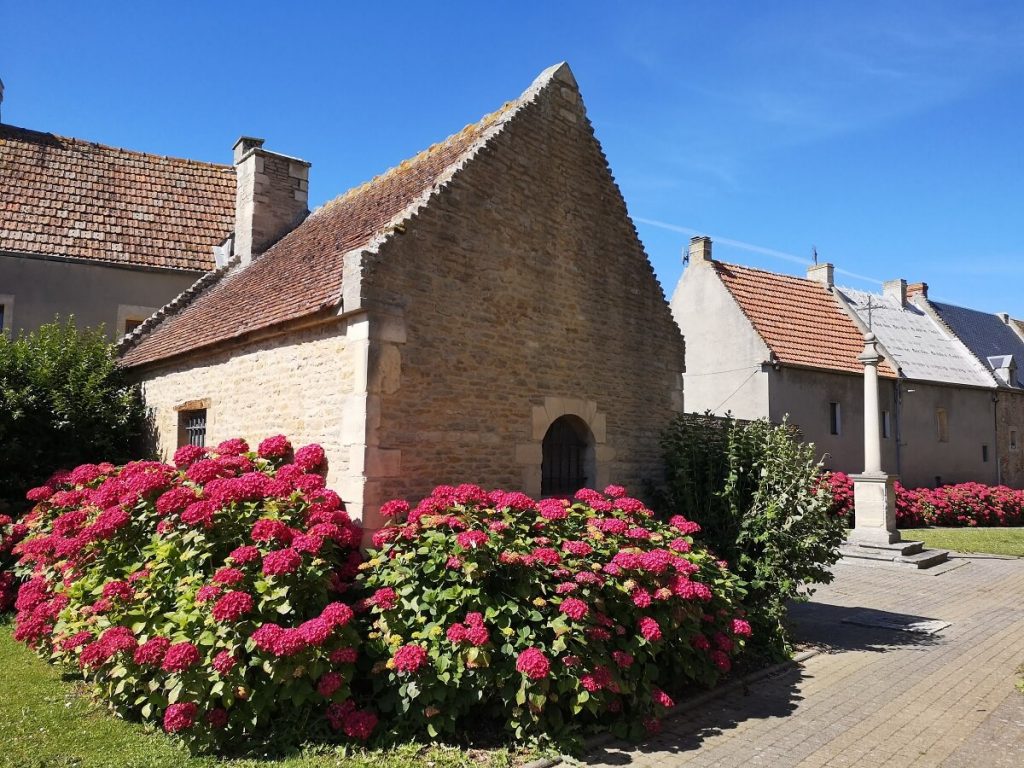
(47, 722)
(994, 541)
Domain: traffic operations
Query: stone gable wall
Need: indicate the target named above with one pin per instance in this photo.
(519, 294)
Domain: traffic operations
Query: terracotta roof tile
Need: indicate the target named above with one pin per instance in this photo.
(302, 273)
(68, 197)
(799, 320)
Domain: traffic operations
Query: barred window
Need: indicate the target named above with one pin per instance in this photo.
(192, 427)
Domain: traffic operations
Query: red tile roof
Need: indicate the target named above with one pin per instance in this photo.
(68, 197)
(800, 320)
(302, 273)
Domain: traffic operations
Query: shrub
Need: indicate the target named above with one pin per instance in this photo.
(965, 504)
(203, 597)
(63, 401)
(11, 533)
(764, 508)
(544, 617)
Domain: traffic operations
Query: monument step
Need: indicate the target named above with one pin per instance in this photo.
(918, 558)
(896, 548)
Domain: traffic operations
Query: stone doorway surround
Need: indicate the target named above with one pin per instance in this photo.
(529, 455)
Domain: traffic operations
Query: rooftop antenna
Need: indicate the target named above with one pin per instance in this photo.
(870, 306)
(814, 253)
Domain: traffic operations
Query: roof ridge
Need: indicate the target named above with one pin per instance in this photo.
(123, 150)
(765, 271)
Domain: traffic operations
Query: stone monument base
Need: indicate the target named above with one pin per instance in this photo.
(874, 509)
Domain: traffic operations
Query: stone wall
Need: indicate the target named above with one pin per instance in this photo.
(1010, 414)
(298, 384)
(519, 294)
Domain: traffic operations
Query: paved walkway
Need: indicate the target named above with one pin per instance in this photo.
(876, 696)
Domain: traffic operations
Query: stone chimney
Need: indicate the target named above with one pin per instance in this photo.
(1004, 316)
(700, 250)
(917, 288)
(822, 273)
(271, 198)
(895, 290)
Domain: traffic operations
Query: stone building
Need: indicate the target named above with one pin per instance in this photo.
(105, 234)
(997, 342)
(483, 312)
(761, 344)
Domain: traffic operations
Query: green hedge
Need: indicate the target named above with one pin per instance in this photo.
(63, 402)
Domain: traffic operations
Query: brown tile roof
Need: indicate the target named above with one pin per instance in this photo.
(800, 320)
(68, 197)
(302, 273)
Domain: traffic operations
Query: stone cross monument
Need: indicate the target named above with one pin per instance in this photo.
(874, 496)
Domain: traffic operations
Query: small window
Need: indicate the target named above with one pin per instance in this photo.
(835, 419)
(6, 313)
(1013, 439)
(984, 453)
(131, 325)
(192, 427)
(886, 425)
(942, 425)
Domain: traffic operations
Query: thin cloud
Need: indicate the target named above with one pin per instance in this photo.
(760, 249)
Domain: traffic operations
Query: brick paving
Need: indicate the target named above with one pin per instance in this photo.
(874, 697)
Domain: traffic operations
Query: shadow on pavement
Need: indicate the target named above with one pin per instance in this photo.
(830, 628)
(772, 697)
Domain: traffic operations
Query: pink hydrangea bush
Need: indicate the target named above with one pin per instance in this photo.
(964, 504)
(546, 617)
(209, 597)
(11, 532)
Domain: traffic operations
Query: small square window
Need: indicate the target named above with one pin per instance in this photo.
(886, 425)
(130, 325)
(984, 453)
(835, 419)
(1013, 439)
(192, 427)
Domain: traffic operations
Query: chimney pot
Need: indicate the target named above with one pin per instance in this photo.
(896, 290)
(700, 250)
(1005, 317)
(244, 145)
(824, 273)
(1, 95)
(917, 288)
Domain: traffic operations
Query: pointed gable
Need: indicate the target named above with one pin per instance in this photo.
(301, 275)
(799, 320)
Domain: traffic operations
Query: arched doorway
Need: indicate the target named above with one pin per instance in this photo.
(567, 462)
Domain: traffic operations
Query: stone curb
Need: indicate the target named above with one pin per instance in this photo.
(604, 738)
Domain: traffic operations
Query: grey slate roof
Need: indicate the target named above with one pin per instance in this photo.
(922, 349)
(984, 334)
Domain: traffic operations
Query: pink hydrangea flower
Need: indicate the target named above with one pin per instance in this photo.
(180, 657)
(232, 606)
(533, 663)
(410, 657)
(180, 717)
(573, 608)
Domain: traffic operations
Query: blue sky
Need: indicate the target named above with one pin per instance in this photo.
(886, 135)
